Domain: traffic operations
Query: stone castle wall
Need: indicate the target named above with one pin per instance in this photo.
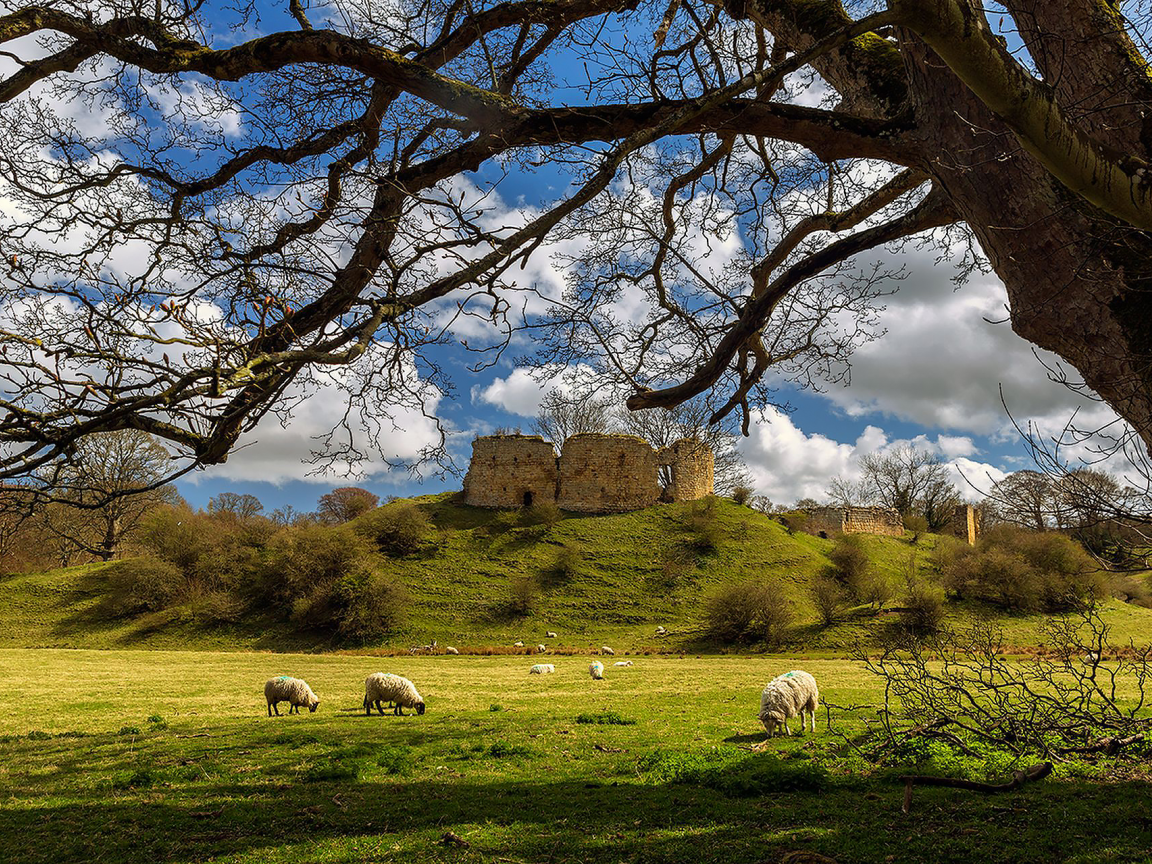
(692, 468)
(511, 471)
(594, 474)
(607, 474)
(855, 520)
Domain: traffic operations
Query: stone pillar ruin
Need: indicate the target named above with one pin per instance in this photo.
(965, 524)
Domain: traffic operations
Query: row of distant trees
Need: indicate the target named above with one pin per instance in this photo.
(105, 490)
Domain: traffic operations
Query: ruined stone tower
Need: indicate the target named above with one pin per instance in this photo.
(594, 474)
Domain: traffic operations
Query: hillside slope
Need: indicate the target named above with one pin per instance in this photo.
(627, 574)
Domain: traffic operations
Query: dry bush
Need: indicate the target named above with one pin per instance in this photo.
(1132, 589)
(523, 592)
(830, 599)
(753, 611)
(544, 513)
(145, 584)
(564, 566)
(705, 533)
(1027, 571)
(397, 529)
(923, 610)
(742, 494)
(852, 566)
(917, 524)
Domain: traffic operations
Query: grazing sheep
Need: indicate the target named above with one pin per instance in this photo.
(604, 649)
(660, 631)
(542, 669)
(622, 663)
(394, 689)
(540, 649)
(596, 670)
(294, 691)
(1090, 659)
(448, 649)
(550, 635)
(517, 644)
(790, 695)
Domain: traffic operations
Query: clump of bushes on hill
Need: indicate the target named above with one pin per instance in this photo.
(544, 514)
(853, 570)
(398, 529)
(145, 584)
(830, 599)
(702, 525)
(564, 566)
(523, 592)
(754, 611)
(329, 578)
(1025, 571)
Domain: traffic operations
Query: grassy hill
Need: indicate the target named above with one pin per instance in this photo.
(627, 573)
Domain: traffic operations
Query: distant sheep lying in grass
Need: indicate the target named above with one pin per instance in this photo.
(517, 644)
(550, 635)
(450, 650)
(791, 695)
(542, 669)
(596, 670)
(622, 663)
(396, 690)
(604, 649)
(294, 691)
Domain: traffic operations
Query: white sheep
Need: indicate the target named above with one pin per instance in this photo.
(550, 635)
(596, 670)
(622, 663)
(604, 649)
(542, 669)
(1090, 659)
(294, 691)
(660, 631)
(517, 644)
(790, 695)
(448, 649)
(394, 689)
(540, 649)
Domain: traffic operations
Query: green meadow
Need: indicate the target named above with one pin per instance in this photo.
(123, 756)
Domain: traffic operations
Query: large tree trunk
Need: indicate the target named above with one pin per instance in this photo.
(1076, 280)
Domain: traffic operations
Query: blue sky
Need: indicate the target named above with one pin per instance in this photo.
(934, 379)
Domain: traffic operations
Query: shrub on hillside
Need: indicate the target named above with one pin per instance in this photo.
(923, 611)
(564, 566)
(752, 611)
(701, 523)
(1132, 589)
(309, 558)
(397, 529)
(851, 563)
(794, 521)
(742, 494)
(917, 524)
(830, 599)
(523, 592)
(545, 513)
(371, 604)
(145, 584)
(1027, 571)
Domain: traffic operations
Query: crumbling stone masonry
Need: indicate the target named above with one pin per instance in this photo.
(854, 520)
(965, 523)
(511, 471)
(594, 474)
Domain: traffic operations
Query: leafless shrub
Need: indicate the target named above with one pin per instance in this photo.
(957, 683)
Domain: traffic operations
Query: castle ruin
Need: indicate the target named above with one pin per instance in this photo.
(594, 473)
(826, 521)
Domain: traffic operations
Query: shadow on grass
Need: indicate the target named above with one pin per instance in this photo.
(153, 812)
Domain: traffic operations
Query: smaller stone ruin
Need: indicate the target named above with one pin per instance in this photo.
(594, 473)
(965, 524)
(826, 521)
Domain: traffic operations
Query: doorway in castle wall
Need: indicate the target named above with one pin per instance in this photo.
(527, 499)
